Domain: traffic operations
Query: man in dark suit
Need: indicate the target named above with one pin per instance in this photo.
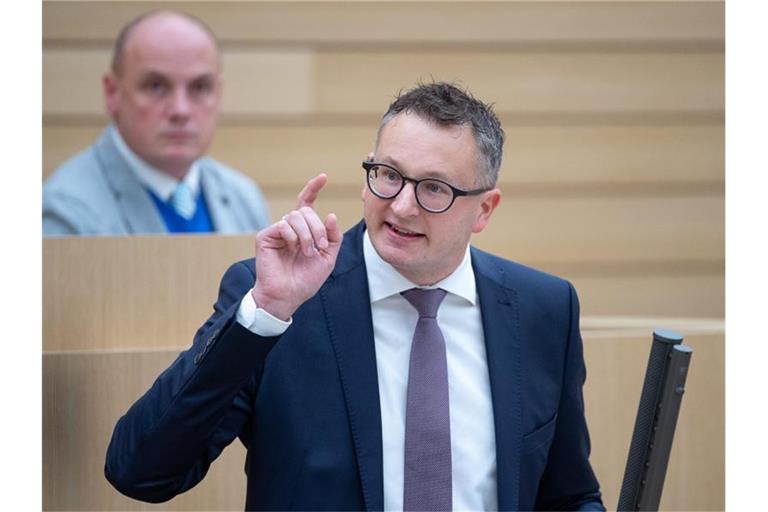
(398, 369)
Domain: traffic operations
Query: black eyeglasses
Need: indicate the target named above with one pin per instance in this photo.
(432, 194)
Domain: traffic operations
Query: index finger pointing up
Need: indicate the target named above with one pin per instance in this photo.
(309, 193)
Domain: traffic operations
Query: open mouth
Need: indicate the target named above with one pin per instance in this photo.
(402, 232)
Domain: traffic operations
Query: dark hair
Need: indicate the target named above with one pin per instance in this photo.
(446, 105)
(127, 30)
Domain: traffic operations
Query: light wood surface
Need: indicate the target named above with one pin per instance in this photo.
(575, 159)
(615, 372)
(118, 310)
(414, 22)
(155, 291)
(293, 82)
(85, 392)
(148, 292)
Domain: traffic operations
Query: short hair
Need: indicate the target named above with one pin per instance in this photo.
(125, 33)
(445, 105)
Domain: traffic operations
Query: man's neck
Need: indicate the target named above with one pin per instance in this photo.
(161, 182)
(177, 172)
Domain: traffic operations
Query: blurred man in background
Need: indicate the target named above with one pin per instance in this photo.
(147, 172)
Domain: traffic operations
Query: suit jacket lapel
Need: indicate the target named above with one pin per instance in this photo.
(498, 303)
(347, 307)
(217, 200)
(137, 209)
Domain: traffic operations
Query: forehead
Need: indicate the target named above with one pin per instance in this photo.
(169, 44)
(421, 148)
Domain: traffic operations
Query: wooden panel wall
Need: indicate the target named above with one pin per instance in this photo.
(85, 392)
(117, 311)
(613, 177)
(613, 111)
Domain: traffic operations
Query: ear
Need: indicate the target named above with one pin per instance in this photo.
(489, 203)
(364, 193)
(111, 94)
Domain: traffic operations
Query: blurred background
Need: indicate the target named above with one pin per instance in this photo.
(613, 178)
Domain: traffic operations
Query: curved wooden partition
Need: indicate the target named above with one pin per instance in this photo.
(118, 310)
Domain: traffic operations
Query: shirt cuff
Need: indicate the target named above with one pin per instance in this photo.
(258, 320)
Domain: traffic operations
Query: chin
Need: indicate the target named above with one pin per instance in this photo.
(179, 156)
(400, 260)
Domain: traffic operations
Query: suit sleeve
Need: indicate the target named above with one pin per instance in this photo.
(568, 482)
(261, 209)
(65, 216)
(167, 440)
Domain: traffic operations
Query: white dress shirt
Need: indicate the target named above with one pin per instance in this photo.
(159, 182)
(473, 440)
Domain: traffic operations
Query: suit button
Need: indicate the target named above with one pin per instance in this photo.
(212, 338)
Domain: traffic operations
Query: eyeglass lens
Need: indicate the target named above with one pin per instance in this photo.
(433, 195)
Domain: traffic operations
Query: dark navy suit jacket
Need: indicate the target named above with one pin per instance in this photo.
(306, 404)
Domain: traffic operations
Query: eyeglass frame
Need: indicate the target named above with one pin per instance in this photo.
(457, 192)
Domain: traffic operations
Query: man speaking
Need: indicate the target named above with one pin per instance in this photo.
(392, 368)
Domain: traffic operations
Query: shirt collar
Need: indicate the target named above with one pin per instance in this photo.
(384, 281)
(159, 182)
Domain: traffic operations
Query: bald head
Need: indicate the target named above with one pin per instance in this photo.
(158, 24)
(164, 90)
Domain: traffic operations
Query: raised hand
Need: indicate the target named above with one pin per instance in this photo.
(295, 255)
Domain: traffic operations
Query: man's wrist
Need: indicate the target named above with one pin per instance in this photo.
(278, 309)
(259, 321)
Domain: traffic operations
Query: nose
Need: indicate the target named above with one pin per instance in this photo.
(180, 105)
(404, 204)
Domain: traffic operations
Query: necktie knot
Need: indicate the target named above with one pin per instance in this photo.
(426, 301)
(183, 201)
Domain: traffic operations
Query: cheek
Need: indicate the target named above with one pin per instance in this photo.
(205, 108)
(208, 114)
(146, 115)
(206, 125)
(365, 197)
(453, 230)
(371, 203)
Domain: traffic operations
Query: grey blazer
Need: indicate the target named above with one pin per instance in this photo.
(96, 193)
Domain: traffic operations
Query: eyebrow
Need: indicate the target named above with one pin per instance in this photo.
(152, 74)
(204, 76)
(162, 76)
(430, 174)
